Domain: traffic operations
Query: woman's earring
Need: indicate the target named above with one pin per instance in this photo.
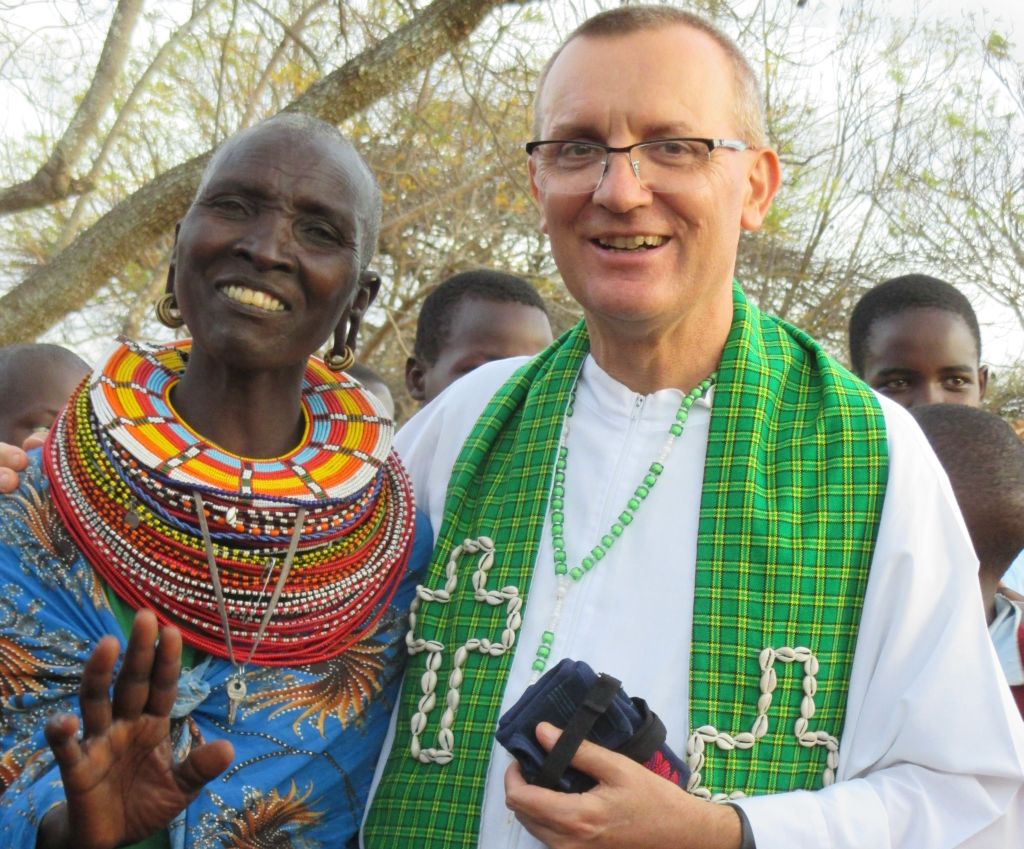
(340, 360)
(167, 311)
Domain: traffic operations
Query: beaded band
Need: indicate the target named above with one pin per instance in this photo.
(346, 441)
(136, 523)
(567, 575)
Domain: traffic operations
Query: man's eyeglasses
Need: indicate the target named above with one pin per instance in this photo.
(661, 165)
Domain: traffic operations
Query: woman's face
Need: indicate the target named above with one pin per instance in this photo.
(267, 259)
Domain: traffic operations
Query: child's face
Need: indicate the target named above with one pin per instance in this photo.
(36, 407)
(924, 356)
(481, 331)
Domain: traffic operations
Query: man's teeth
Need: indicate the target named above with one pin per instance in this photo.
(631, 243)
(253, 298)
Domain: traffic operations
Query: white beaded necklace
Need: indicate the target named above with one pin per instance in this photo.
(567, 575)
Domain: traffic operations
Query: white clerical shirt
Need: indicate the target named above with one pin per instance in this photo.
(932, 752)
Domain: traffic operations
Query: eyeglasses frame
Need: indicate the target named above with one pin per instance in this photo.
(711, 144)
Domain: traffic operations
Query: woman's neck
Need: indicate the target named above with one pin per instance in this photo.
(249, 413)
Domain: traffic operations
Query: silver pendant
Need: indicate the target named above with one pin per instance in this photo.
(236, 695)
(131, 516)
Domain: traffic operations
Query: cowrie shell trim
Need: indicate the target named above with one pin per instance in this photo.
(708, 735)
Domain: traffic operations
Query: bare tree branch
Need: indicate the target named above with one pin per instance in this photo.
(66, 283)
(99, 162)
(292, 35)
(53, 180)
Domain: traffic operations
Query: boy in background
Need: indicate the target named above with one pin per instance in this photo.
(35, 381)
(916, 340)
(984, 460)
(473, 318)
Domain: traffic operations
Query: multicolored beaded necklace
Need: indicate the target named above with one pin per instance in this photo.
(330, 524)
(567, 575)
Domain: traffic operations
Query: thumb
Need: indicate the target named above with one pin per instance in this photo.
(34, 440)
(601, 764)
(203, 764)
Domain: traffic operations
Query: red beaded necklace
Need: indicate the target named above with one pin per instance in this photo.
(132, 511)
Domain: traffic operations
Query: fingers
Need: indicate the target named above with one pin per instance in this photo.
(601, 764)
(13, 457)
(529, 800)
(131, 689)
(8, 480)
(12, 461)
(203, 764)
(60, 731)
(514, 778)
(163, 683)
(35, 440)
(148, 679)
(94, 691)
(544, 813)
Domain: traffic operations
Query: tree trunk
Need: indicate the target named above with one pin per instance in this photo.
(69, 279)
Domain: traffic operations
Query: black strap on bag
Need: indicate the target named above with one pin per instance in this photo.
(648, 738)
(596, 702)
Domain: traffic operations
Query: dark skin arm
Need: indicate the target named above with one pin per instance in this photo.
(120, 780)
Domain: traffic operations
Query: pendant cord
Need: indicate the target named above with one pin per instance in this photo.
(218, 591)
(568, 575)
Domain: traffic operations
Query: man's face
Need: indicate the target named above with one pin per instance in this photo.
(924, 356)
(268, 256)
(481, 331)
(661, 83)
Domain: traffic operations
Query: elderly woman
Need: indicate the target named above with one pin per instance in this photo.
(243, 497)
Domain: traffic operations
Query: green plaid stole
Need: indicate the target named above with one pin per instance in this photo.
(793, 487)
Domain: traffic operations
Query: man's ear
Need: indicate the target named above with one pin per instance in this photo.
(982, 382)
(535, 191)
(763, 179)
(415, 379)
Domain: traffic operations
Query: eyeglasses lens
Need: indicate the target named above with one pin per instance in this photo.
(577, 168)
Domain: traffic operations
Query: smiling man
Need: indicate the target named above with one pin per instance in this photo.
(691, 496)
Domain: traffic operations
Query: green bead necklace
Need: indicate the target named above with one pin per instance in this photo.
(567, 575)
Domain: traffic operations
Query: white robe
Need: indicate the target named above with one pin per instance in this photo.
(932, 752)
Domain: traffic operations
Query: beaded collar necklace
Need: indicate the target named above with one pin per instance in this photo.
(330, 524)
(567, 576)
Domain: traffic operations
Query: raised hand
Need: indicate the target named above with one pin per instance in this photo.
(120, 780)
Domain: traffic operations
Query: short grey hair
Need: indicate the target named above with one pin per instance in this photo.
(312, 126)
(626, 20)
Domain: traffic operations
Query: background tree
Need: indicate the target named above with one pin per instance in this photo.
(901, 143)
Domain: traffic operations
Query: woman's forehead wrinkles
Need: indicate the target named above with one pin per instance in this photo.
(325, 188)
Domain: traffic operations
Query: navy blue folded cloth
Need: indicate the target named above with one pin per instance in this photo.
(586, 706)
